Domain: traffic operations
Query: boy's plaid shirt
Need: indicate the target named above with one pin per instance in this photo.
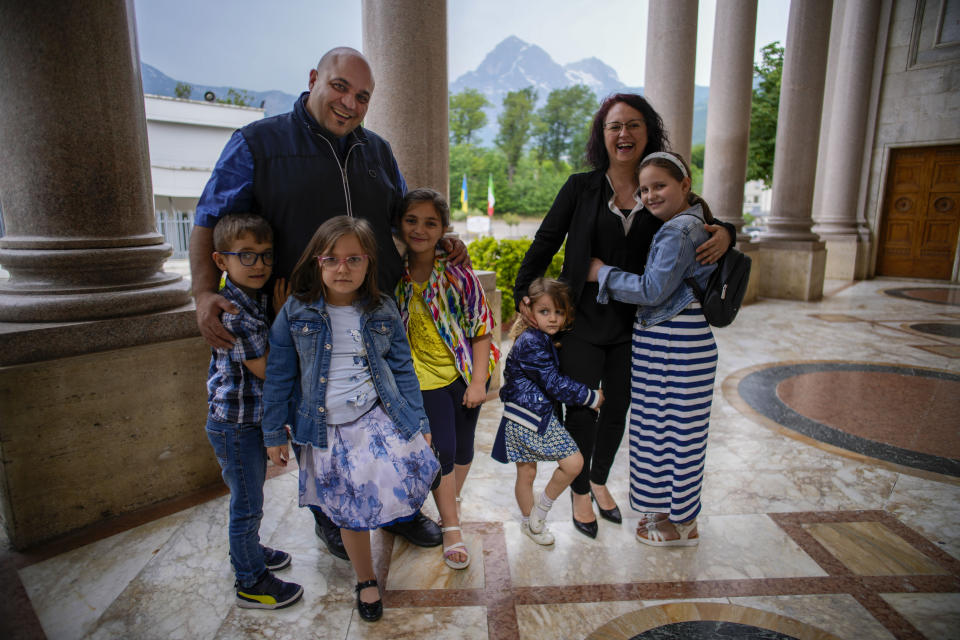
(234, 393)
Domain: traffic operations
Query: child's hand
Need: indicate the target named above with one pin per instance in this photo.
(475, 395)
(279, 454)
(600, 398)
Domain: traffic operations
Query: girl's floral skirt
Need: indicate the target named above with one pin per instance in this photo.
(369, 476)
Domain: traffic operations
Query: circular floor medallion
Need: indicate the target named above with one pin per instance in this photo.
(937, 295)
(902, 415)
(710, 630)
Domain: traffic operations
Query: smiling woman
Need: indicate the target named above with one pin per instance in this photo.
(599, 214)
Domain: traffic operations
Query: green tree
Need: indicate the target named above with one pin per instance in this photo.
(238, 97)
(466, 115)
(515, 122)
(183, 90)
(561, 121)
(763, 114)
(696, 168)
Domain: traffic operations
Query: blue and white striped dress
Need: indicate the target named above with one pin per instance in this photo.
(674, 365)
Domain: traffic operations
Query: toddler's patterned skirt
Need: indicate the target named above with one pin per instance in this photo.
(526, 445)
(369, 475)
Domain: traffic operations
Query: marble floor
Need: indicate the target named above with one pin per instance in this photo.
(826, 514)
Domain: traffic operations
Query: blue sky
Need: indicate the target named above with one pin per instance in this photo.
(260, 45)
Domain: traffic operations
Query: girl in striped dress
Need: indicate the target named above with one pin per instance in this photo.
(674, 359)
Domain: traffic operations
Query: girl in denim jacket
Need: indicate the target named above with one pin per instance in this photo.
(339, 352)
(674, 357)
(530, 430)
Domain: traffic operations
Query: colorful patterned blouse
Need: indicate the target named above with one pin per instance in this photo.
(455, 298)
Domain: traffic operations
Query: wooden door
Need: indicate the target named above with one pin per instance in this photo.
(921, 214)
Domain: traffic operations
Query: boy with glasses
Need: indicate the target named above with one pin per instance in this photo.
(243, 244)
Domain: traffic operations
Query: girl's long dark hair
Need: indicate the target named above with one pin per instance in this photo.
(306, 281)
(674, 170)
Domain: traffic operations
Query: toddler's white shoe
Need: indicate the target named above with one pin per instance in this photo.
(544, 537)
(537, 520)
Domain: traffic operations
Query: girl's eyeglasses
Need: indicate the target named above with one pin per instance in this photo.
(353, 262)
(249, 258)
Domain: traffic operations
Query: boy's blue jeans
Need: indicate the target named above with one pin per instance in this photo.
(243, 459)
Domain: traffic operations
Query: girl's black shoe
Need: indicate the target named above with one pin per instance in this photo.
(369, 611)
(613, 515)
(588, 529)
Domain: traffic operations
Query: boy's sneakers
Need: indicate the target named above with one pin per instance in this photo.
(268, 593)
(544, 537)
(275, 559)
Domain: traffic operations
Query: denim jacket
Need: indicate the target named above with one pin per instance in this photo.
(299, 360)
(661, 291)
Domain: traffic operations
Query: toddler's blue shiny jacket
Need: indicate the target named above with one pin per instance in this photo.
(533, 382)
(661, 291)
(299, 361)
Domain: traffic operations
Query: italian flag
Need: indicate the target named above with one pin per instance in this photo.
(490, 199)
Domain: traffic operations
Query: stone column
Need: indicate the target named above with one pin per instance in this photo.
(406, 44)
(840, 217)
(728, 119)
(792, 257)
(671, 67)
(81, 240)
(101, 411)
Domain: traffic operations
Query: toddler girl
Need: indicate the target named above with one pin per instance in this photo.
(674, 357)
(338, 350)
(530, 430)
(449, 326)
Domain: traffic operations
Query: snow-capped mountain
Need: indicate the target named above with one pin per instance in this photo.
(511, 65)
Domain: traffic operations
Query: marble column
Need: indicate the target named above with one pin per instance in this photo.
(792, 257)
(840, 217)
(728, 118)
(406, 44)
(671, 67)
(102, 370)
(81, 241)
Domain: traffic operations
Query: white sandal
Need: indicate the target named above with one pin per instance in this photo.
(456, 547)
(655, 537)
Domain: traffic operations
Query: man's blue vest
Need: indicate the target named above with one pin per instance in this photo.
(299, 182)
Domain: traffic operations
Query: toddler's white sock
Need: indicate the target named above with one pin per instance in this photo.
(539, 513)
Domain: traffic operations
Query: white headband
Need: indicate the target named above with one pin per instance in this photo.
(672, 158)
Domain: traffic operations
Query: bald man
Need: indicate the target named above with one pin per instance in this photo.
(297, 170)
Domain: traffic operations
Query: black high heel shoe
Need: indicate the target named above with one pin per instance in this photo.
(613, 515)
(588, 529)
(369, 611)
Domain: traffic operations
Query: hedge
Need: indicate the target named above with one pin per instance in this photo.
(504, 257)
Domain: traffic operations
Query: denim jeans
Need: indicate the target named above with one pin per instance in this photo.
(243, 459)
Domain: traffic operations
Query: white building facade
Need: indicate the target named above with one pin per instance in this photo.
(185, 138)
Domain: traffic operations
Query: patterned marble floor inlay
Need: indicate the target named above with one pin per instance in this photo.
(706, 621)
(799, 538)
(868, 409)
(710, 630)
(938, 329)
(939, 295)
